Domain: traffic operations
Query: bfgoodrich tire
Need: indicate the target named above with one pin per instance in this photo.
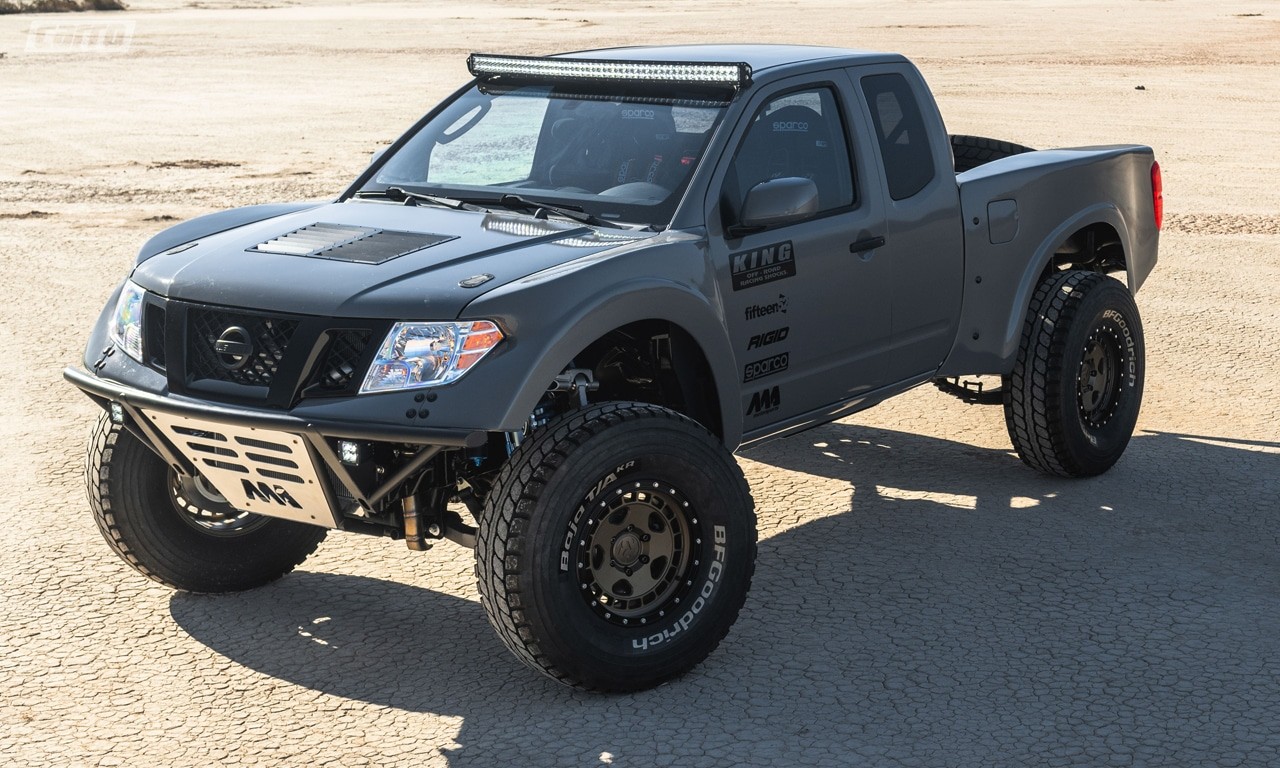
(616, 547)
(196, 545)
(1076, 388)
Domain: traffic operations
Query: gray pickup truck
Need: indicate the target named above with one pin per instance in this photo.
(541, 322)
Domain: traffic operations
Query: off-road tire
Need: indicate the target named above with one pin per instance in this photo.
(129, 494)
(1076, 387)
(973, 151)
(540, 540)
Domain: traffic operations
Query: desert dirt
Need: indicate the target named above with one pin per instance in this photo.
(920, 598)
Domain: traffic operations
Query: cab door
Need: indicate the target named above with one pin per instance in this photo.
(806, 302)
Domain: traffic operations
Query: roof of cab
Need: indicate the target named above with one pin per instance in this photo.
(759, 57)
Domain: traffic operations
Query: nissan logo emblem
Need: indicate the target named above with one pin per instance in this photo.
(234, 348)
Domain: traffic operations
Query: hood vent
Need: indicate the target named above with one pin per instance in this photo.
(342, 242)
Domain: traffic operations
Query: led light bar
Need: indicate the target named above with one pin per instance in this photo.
(489, 66)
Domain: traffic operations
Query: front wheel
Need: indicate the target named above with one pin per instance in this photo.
(1076, 387)
(616, 547)
(184, 536)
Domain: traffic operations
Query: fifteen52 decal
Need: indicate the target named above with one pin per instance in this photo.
(763, 265)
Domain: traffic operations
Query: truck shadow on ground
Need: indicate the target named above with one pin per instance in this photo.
(956, 609)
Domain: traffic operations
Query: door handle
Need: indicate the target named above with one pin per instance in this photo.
(871, 243)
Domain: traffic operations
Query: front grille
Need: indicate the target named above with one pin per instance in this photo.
(267, 336)
(153, 325)
(341, 363)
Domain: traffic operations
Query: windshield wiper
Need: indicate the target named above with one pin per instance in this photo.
(402, 195)
(537, 208)
(540, 210)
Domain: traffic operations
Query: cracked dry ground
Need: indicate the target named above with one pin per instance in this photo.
(920, 599)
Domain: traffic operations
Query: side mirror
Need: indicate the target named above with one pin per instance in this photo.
(777, 201)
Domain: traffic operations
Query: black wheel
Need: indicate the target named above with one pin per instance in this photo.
(183, 535)
(973, 151)
(1074, 394)
(616, 547)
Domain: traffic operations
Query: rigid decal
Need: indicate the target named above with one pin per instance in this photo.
(762, 265)
(769, 337)
(765, 401)
(766, 367)
(778, 307)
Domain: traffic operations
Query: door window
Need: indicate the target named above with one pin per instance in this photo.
(797, 134)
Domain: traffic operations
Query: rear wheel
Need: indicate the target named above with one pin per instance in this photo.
(183, 535)
(616, 547)
(1076, 387)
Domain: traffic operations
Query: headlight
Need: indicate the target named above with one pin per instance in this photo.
(426, 354)
(126, 322)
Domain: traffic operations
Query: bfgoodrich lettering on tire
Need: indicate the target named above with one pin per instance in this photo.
(1074, 394)
(616, 547)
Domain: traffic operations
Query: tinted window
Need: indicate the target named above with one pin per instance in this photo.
(899, 127)
(623, 156)
(799, 134)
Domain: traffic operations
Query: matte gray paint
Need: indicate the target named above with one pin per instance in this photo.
(556, 290)
(212, 223)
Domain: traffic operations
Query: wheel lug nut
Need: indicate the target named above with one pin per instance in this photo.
(644, 559)
(644, 537)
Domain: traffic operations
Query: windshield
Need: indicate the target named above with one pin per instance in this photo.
(621, 158)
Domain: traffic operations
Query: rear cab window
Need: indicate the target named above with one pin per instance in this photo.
(900, 132)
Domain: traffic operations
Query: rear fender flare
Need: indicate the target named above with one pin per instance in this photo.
(1102, 213)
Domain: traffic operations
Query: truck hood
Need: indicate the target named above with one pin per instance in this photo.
(369, 260)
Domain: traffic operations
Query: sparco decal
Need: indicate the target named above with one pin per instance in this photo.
(769, 337)
(763, 265)
(714, 572)
(766, 367)
(764, 310)
(790, 126)
(581, 511)
(765, 401)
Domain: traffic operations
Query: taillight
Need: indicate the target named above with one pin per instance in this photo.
(1157, 195)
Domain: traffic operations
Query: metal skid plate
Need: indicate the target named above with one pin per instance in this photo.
(256, 470)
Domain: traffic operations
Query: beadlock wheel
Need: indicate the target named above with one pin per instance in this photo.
(636, 554)
(616, 547)
(200, 505)
(1076, 388)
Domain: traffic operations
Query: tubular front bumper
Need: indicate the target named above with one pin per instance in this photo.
(301, 444)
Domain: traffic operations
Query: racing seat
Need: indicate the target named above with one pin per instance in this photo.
(629, 143)
(794, 141)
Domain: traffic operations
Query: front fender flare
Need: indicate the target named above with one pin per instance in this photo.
(633, 301)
